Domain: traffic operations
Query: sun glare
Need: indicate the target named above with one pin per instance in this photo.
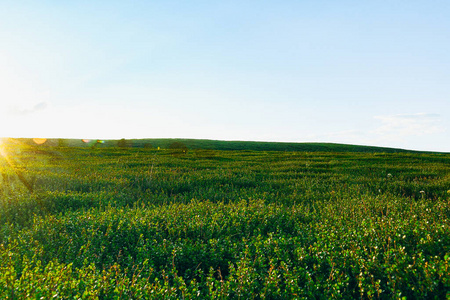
(39, 141)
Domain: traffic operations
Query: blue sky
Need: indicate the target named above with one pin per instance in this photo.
(357, 72)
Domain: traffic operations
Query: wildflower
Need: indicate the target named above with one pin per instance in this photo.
(389, 175)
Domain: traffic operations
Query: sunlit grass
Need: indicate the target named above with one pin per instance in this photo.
(11, 163)
(132, 223)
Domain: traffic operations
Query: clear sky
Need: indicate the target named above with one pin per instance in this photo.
(357, 72)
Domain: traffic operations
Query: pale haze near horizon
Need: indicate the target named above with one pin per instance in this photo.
(355, 72)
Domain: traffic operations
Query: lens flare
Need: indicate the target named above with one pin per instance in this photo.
(13, 164)
(39, 141)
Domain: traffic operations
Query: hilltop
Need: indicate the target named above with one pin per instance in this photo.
(204, 144)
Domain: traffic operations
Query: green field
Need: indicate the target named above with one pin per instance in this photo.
(196, 144)
(129, 223)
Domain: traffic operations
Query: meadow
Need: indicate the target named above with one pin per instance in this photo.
(132, 223)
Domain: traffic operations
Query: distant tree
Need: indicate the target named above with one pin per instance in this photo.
(179, 147)
(123, 143)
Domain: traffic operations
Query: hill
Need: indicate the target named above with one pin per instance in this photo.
(194, 144)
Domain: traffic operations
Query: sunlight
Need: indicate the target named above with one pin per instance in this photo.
(39, 141)
(2, 145)
(11, 162)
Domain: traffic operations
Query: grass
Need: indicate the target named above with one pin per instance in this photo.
(114, 223)
(199, 144)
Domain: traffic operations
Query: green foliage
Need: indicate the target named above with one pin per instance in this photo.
(123, 143)
(197, 144)
(62, 143)
(111, 223)
(178, 147)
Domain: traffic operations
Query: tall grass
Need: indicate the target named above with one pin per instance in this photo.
(134, 223)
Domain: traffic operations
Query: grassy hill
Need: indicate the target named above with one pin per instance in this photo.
(194, 144)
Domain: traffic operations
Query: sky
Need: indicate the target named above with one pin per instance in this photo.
(354, 72)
